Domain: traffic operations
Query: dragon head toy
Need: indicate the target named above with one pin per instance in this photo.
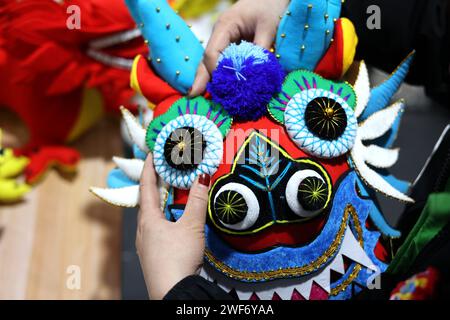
(296, 153)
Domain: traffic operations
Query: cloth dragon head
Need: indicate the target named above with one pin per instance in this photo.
(296, 153)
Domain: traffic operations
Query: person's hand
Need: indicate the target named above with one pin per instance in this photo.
(252, 20)
(169, 251)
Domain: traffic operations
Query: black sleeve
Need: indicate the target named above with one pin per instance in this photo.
(406, 25)
(196, 288)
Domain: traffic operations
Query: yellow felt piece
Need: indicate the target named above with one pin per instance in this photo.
(193, 8)
(11, 190)
(350, 43)
(134, 82)
(10, 165)
(91, 112)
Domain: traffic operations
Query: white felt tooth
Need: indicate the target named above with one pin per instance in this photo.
(244, 295)
(323, 279)
(265, 295)
(353, 250)
(380, 122)
(372, 178)
(380, 157)
(131, 167)
(137, 132)
(122, 197)
(338, 264)
(305, 288)
(362, 89)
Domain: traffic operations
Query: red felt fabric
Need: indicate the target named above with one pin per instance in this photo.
(331, 65)
(153, 88)
(54, 156)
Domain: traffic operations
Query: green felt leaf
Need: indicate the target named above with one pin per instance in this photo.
(300, 80)
(199, 106)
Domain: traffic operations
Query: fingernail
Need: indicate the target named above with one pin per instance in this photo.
(204, 179)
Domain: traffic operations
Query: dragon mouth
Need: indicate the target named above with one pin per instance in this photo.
(288, 235)
(307, 286)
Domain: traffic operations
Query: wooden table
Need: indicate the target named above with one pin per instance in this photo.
(60, 228)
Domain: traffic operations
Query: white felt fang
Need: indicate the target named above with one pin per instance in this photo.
(305, 288)
(380, 122)
(353, 250)
(131, 167)
(372, 178)
(338, 264)
(380, 157)
(137, 132)
(362, 89)
(123, 197)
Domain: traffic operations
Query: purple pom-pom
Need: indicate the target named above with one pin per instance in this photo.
(246, 79)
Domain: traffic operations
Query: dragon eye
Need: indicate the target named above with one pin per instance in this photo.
(307, 193)
(325, 118)
(321, 123)
(186, 147)
(236, 206)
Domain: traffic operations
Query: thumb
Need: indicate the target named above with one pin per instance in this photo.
(264, 36)
(196, 206)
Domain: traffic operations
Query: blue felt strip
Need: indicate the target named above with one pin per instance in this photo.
(170, 41)
(118, 179)
(381, 95)
(305, 24)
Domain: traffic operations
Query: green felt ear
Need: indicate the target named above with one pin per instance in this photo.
(199, 106)
(301, 80)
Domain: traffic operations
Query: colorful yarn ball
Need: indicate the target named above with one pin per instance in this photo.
(246, 78)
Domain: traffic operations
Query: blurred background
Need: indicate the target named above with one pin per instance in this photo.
(59, 225)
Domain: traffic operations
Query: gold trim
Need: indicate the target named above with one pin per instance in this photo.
(298, 271)
(286, 155)
(343, 286)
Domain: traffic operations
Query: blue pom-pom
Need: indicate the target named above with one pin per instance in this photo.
(246, 78)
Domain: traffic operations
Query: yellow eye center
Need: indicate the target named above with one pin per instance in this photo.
(329, 112)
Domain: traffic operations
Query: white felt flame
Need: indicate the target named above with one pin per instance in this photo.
(123, 197)
(372, 128)
(137, 132)
(131, 167)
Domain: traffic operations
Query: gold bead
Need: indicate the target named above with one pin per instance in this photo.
(310, 6)
(334, 19)
(158, 9)
(327, 32)
(283, 35)
(158, 60)
(168, 26)
(326, 16)
(186, 58)
(278, 56)
(177, 39)
(178, 72)
(306, 26)
(303, 47)
(288, 13)
(141, 25)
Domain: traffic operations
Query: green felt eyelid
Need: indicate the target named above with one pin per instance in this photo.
(184, 106)
(300, 80)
